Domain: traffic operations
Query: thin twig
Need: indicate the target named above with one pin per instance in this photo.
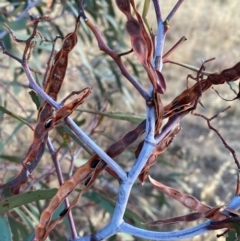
(181, 40)
(61, 181)
(157, 8)
(218, 133)
(104, 47)
(12, 96)
(170, 15)
(71, 123)
(30, 5)
(199, 78)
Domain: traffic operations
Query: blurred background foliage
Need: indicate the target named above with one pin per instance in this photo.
(196, 162)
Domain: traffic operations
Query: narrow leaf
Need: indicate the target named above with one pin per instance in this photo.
(25, 198)
(2, 109)
(4, 229)
(35, 98)
(19, 228)
(187, 66)
(134, 118)
(76, 139)
(16, 159)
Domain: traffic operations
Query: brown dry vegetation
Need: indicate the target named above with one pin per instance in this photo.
(196, 162)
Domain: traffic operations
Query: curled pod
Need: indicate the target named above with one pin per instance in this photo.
(237, 68)
(186, 200)
(61, 61)
(229, 74)
(175, 103)
(145, 171)
(39, 129)
(45, 218)
(124, 6)
(69, 42)
(63, 212)
(44, 114)
(40, 232)
(54, 88)
(87, 181)
(216, 79)
(119, 146)
(65, 189)
(161, 83)
(140, 49)
(55, 202)
(94, 163)
(133, 28)
(205, 84)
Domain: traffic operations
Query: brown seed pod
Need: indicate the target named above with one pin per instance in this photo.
(124, 6)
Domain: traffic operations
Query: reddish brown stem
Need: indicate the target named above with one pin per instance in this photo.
(218, 133)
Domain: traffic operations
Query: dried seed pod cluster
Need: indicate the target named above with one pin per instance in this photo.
(182, 101)
(86, 174)
(45, 116)
(141, 43)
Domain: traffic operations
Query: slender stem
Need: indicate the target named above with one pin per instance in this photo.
(120, 172)
(219, 135)
(30, 5)
(181, 40)
(9, 54)
(127, 183)
(157, 8)
(187, 66)
(172, 122)
(104, 47)
(148, 147)
(61, 181)
(157, 60)
(110, 162)
(170, 15)
(161, 33)
(168, 236)
(173, 235)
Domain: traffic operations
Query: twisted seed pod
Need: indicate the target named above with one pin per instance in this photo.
(37, 148)
(142, 49)
(145, 34)
(187, 200)
(59, 67)
(160, 148)
(89, 181)
(124, 6)
(186, 218)
(141, 44)
(67, 109)
(52, 88)
(30, 161)
(84, 172)
(118, 147)
(91, 169)
(137, 40)
(191, 94)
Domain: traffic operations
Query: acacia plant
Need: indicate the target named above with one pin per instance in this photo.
(88, 172)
